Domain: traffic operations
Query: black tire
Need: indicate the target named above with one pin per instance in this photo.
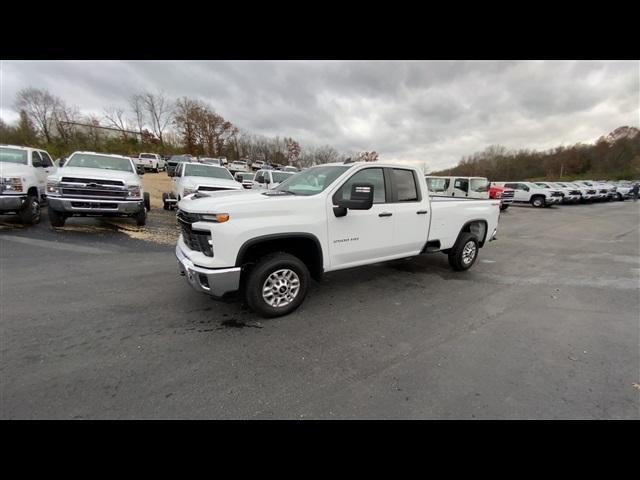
(30, 212)
(260, 273)
(141, 218)
(458, 256)
(620, 198)
(503, 207)
(538, 201)
(147, 201)
(56, 218)
(165, 205)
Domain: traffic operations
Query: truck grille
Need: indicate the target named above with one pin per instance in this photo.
(94, 188)
(591, 192)
(194, 239)
(603, 190)
(574, 192)
(557, 194)
(507, 194)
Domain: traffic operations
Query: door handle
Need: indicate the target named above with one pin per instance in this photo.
(385, 214)
(422, 212)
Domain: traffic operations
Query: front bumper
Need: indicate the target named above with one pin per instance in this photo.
(553, 200)
(92, 206)
(572, 198)
(11, 203)
(212, 281)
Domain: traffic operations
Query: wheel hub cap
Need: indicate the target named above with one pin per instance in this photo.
(468, 253)
(281, 288)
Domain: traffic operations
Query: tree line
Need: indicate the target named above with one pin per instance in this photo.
(613, 157)
(152, 122)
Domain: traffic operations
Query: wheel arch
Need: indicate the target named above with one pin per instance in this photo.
(304, 246)
(477, 227)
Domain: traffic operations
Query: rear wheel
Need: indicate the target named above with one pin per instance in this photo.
(30, 212)
(165, 204)
(503, 206)
(56, 218)
(276, 285)
(464, 253)
(147, 201)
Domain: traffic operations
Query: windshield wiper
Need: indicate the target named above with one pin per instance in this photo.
(278, 192)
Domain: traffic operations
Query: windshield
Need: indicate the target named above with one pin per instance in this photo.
(86, 160)
(279, 177)
(311, 181)
(13, 155)
(178, 158)
(246, 176)
(207, 171)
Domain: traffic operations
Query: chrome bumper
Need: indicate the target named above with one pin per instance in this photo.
(122, 207)
(11, 203)
(212, 281)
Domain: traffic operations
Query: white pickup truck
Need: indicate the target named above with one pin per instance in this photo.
(527, 192)
(151, 161)
(269, 243)
(23, 179)
(96, 185)
(194, 177)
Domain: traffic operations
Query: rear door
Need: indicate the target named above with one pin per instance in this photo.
(519, 194)
(411, 211)
(361, 235)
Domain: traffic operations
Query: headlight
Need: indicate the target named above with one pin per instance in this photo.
(189, 191)
(53, 187)
(12, 184)
(216, 217)
(134, 191)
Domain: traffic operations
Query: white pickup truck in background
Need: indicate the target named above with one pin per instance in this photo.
(527, 192)
(151, 161)
(194, 177)
(269, 243)
(23, 181)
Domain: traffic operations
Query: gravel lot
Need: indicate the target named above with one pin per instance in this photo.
(96, 323)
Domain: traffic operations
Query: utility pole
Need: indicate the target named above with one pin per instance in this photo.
(561, 169)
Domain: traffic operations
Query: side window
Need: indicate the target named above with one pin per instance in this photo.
(374, 176)
(260, 177)
(179, 169)
(406, 185)
(462, 184)
(512, 185)
(46, 160)
(36, 159)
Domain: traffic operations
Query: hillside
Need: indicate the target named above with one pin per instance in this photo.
(614, 156)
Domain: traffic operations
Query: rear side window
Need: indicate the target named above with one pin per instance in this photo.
(512, 185)
(479, 185)
(374, 176)
(438, 184)
(406, 185)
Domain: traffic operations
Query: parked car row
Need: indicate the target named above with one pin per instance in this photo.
(537, 194)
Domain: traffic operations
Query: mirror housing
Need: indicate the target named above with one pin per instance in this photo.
(361, 199)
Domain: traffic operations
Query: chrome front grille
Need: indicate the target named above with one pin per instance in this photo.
(198, 240)
(94, 188)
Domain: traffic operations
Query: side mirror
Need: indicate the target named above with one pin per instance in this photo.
(61, 162)
(361, 199)
(140, 169)
(526, 189)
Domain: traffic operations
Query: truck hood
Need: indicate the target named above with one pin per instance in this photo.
(212, 182)
(9, 169)
(237, 201)
(129, 178)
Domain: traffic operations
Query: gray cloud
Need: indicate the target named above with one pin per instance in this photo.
(412, 111)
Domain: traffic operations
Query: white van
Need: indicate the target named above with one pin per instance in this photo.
(466, 187)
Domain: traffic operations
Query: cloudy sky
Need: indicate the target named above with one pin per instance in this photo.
(426, 112)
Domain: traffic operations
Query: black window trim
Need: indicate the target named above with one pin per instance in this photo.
(33, 153)
(385, 177)
(394, 187)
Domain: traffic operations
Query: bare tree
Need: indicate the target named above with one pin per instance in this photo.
(115, 118)
(137, 107)
(368, 156)
(40, 107)
(159, 111)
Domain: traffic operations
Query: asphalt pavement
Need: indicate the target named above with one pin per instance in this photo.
(97, 324)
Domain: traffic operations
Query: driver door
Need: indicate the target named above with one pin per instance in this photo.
(361, 235)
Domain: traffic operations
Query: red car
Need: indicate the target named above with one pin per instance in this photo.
(504, 194)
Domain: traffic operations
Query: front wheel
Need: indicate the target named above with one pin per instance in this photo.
(276, 285)
(538, 202)
(30, 212)
(56, 218)
(147, 201)
(503, 207)
(141, 218)
(464, 253)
